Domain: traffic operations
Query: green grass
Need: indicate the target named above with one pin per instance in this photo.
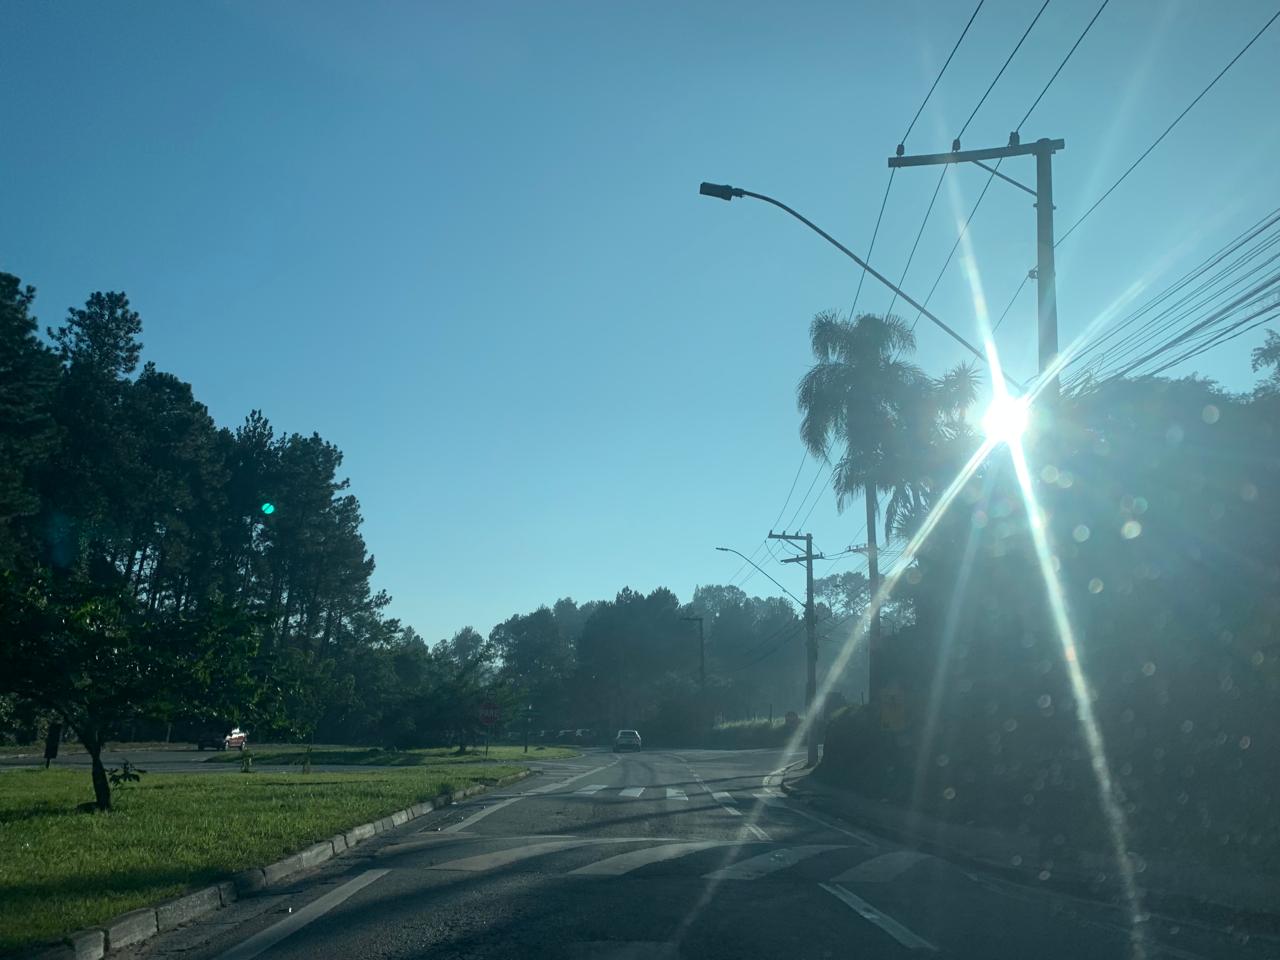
(62, 870)
(375, 756)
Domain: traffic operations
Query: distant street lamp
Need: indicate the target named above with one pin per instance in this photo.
(762, 570)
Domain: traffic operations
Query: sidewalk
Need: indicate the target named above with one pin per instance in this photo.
(1024, 856)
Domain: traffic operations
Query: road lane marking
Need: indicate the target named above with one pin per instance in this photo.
(886, 923)
(616, 866)
(882, 869)
(503, 858)
(266, 939)
(723, 797)
(592, 788)
(675, 793)
(548, 787)
(753, 868)
(733, 810)
(774, 777)
(758, 832)
(780, 802)
(632, 793)
(478, 815)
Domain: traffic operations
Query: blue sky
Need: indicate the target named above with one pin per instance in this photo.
(464, 241)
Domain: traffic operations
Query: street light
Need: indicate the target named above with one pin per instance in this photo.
(762, 570)
(723, 191)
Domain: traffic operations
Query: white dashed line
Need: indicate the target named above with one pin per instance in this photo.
(632, 793)
(886, 923)
(675, 793)
(592, 788)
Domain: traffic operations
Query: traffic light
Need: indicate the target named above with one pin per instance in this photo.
(268, 508)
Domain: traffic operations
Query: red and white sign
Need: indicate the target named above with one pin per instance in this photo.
(489, 713)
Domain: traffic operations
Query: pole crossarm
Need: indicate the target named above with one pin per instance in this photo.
(973, 156)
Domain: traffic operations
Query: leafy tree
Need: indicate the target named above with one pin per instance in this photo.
(94, 656)
(28, 433)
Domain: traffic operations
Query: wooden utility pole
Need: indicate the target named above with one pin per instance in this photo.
(811, 634)
(1045, 272)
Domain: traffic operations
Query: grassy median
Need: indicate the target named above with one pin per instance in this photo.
(62, 869)
(376, 757)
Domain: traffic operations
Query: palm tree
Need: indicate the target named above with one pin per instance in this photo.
(937, 441)
(881, 418)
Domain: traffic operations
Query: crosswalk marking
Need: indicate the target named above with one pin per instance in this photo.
(504, 858)
(757, 832)
(772, 799)
(478, 814)
(592, 788)
(560, 784)
(675, 793)
(882, 869)
(616, 866)
(734, 810)
(766, 863)
(723, 797)
(632, 792)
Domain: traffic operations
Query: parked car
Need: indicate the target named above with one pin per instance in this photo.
(584, 736)
(564, 736)
(626, 740)
(214, 739)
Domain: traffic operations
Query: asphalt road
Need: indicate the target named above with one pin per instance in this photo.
(689, 854)
(177, 759)
(187, 759)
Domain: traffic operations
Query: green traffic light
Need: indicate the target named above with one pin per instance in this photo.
(268, 508)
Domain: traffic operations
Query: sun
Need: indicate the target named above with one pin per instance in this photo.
(1006, 419)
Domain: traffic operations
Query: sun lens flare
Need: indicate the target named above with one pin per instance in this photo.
(1006, 419)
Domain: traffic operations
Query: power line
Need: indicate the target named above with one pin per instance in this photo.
(1012, 300)
(919, 233)
(862, 275)
(875, 232)
(1145, 153)
(1212, 280)
(1266, 314)
(959, 40)
(1250, 298)
(1079, 39)
(791, 524)
(1198, 298)
(991, 176)
(765, 543)
(943, 173)
(999, 74)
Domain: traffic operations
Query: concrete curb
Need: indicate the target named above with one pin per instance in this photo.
(138, 925)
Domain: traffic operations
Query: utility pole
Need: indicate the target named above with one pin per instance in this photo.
(702, 663)
(1045, 272)
(811, 633)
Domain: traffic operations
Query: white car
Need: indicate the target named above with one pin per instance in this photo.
(626, 740)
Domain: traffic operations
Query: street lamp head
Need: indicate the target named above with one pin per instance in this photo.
(723, 549)
(721, 190)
